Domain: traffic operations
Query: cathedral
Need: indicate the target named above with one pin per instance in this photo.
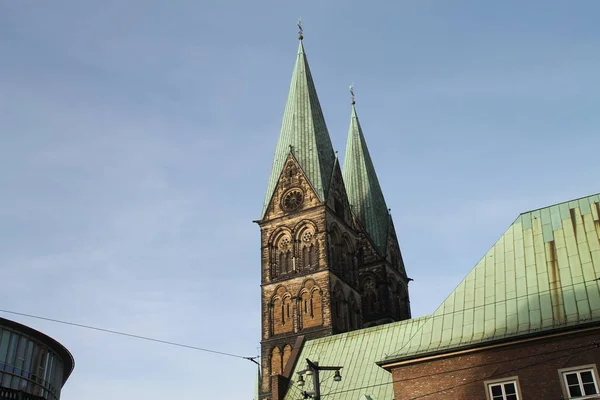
(523, 323)
(330, 257)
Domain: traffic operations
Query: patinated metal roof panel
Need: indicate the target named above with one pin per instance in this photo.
(364, 192)
(357, 352)
(542, 274)
(304, 132)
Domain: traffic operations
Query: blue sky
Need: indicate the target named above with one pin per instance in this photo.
(136, 140)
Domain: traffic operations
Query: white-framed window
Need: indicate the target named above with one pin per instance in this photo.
(580, 382)
(503, 389)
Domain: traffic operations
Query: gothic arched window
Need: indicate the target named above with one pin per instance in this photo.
(370, 297)
(310, 305)
(348, 263)
(317, 306)
(282, 312)
(335, 250)
(307, 248)
(287, 314)
(340, 312)
(287, 352)
(276, 361)
(351, 310)
(354, 317)
(281, 255)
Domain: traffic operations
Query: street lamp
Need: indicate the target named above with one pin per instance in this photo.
(337, 377)
(313, 368)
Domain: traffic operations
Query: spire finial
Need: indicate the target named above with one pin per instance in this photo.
(300, 31)
(352, 93)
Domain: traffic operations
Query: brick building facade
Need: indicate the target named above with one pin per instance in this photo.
(537, 368)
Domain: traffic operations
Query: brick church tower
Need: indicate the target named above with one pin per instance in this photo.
(329, 255)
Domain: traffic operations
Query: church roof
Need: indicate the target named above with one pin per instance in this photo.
(304, 131)
(541, 275)
(357, 352)
(364, 193)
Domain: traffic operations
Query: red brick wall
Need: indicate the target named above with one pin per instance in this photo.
(535, 363)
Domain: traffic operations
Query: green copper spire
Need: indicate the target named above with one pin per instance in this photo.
(303, 132)
(364, 193)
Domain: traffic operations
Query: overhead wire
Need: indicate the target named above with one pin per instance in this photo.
(131, 335)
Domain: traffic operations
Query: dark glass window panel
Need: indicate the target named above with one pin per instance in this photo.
(497, 390)
(38, 367)
(23, 385)
(28, 357)
(6, 380)
(42, 362)
(50, 369)
(58, 372)
(35, 359)
(20, 361)
(46, 368)
(14, 383)
(587, 377)
(12, 349)
(36, 390)
(4, 339)
(509, 388)
(511, 397)
(589, 388)
(575, 390)
(572, 379)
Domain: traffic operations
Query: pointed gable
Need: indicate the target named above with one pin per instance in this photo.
(364, 193)
(304, 131)
(541, 275)
(292, 176)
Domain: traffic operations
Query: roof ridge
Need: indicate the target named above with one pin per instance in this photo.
(562, 202)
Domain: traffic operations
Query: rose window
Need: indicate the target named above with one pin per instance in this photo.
(292, 199)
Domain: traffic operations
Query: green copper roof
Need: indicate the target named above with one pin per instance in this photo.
(303, 129)
(357, 352)
(364, 193)
(542, 274)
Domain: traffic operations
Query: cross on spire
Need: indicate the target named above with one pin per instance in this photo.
(300, 30)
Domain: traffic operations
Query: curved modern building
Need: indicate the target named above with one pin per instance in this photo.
(32, 364)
